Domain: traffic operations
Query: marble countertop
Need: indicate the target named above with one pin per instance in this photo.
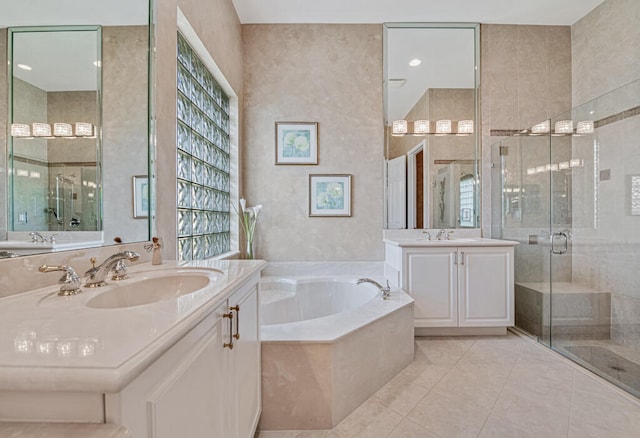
(54, 343)
(457, 242)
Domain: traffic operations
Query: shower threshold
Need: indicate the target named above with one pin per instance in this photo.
(606, 363)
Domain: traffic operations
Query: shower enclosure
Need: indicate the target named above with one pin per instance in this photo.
(568, 190)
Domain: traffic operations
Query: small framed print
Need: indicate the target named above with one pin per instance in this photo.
(296, 143)
(140, 196)
(330, 195)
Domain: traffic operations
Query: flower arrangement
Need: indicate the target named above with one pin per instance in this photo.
(248, 220)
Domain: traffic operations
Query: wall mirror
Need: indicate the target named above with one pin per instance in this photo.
(76, 113)
(431, 78)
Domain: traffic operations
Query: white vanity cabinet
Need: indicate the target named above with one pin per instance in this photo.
(206, 385)
(455, 286)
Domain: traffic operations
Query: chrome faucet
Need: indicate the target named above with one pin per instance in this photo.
(385, 292)
(444, 235)
(37, 237)
(69, 282)
(97, 274)
(426, 235)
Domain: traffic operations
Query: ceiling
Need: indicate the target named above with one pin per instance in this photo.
(549, 12)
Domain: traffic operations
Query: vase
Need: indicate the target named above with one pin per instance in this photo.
(249, 250)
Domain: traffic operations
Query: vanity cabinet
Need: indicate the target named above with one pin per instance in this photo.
(206, 385)
(455, 286)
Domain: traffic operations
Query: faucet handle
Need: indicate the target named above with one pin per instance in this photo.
(69, 282)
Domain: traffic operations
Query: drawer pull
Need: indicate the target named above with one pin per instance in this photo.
(237, 310)
(230, 343)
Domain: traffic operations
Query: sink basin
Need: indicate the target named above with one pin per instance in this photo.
(152, 289)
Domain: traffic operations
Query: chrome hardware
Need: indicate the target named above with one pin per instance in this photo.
(444, 235)
(426, 234)
(37, 237)
(97, 274)
(455, 258)
(230, 343)
(559, 234)
(237, 310)
(69, 282)
(462, 258)
(385, 292)
(7, 254)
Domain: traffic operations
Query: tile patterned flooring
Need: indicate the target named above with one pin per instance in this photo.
(502, 387)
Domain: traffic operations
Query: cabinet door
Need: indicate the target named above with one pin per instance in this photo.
(486, 287)
(183, 392)
(430, 277)
(246, 362)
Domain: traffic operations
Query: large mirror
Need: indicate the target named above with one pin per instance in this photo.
(75, 151)
(431, 130)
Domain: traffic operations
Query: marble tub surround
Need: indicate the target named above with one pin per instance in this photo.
(51, 343)
(20, 274)
(316, 371)
(70, 430)
(309, 269)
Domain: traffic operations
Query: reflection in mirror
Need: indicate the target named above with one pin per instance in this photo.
(431, 133)
(55, 114)
(81, 187)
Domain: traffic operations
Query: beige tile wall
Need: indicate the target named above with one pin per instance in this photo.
(330, 74)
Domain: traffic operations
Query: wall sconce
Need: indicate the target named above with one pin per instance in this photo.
(84, 129)
(541, 128)
(41, 129)
(423, 127)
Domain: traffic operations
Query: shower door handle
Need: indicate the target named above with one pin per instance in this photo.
(565, 247)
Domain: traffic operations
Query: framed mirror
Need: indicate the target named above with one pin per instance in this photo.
(76, 112)
(431, 77)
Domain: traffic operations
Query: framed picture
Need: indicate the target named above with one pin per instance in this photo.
(296, 143)
(329, 195)
(140, 196)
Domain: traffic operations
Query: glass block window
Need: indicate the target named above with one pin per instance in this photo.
(466, 201)
(203, 162)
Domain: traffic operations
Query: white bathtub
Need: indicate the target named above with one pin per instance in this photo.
(327, 346)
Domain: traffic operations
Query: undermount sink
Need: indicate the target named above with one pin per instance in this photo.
(152, 289)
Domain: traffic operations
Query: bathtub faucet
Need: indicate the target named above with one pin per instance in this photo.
(385, 292)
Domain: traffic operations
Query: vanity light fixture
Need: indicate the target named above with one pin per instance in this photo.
(563, 127)
(399, 127)
(465, 127)
(541, 128)
(415, 62)
(576, 162)
(443, 127)
(20, 130)
(41, 129)
(563, 165)
(62, 130)
(584, 127)
(24, 67)
(421, 127)
(84, 129)
(531, 171)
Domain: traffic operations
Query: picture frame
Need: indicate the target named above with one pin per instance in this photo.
(140, 196)
(330, 195)
(296, 143)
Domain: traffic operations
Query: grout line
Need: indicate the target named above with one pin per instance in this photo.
(581, 369)
(500, 393)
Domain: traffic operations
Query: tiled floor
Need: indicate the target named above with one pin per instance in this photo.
(488, 387)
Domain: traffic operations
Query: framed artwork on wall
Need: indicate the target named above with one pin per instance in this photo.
(140, 196)
(296, 143)
(330, 195)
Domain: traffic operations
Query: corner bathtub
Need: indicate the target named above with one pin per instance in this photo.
(327, 346)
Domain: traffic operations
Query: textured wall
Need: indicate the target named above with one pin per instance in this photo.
(125, 133)
(217, 26)
(330, 74)
(605, 49)
(525, 78)
(607, 245)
